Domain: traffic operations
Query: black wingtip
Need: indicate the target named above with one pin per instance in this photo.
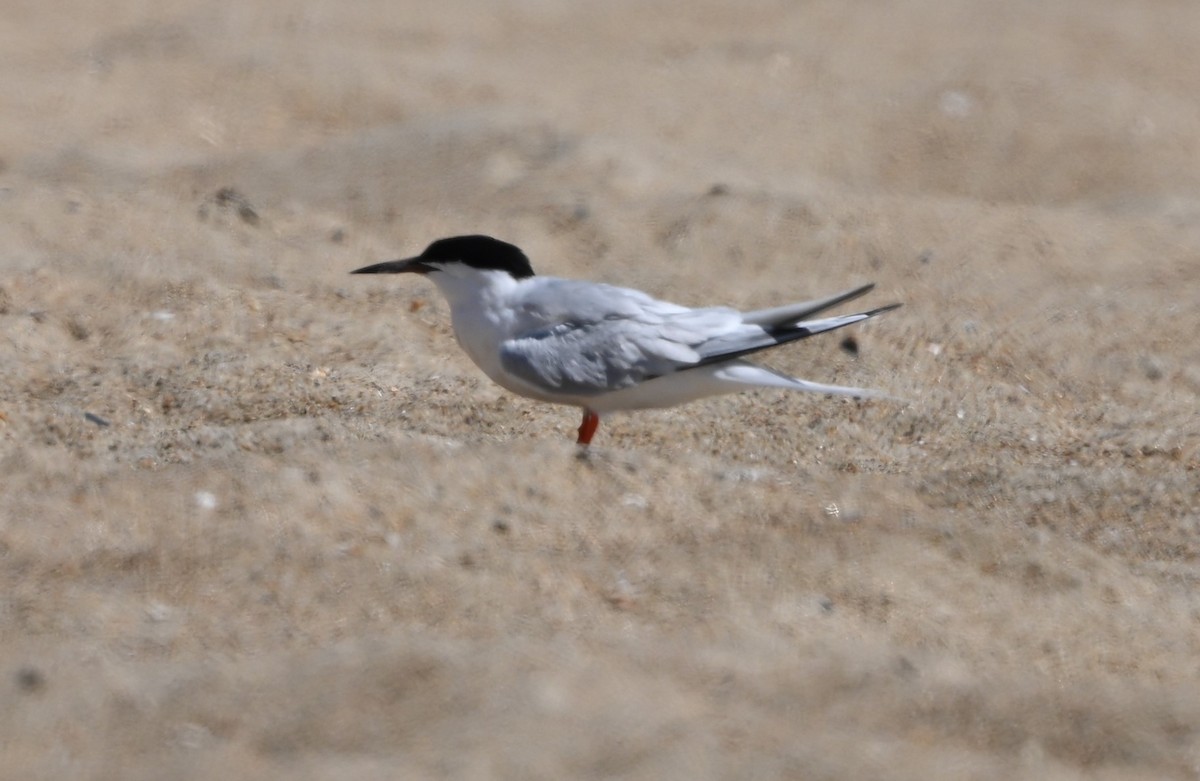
(882, 309)
(849, 295)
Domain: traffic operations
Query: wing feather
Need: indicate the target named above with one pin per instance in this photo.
(794, 313)
(584, 339)
(587, 339)
(726, 349)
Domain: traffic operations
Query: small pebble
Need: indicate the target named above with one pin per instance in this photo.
(30, 679)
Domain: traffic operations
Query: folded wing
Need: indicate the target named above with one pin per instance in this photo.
(585, 339)
(589, 358)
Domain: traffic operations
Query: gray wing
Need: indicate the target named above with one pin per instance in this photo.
(585, 339)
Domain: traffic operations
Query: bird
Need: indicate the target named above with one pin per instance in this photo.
(604, 348)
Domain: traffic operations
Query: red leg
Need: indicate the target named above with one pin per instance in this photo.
(588, 427)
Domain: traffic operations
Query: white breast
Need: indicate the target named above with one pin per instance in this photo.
(483, 317)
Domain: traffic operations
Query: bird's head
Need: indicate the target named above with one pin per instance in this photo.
(459, 253)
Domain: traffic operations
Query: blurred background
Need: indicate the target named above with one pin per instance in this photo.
(260, 519)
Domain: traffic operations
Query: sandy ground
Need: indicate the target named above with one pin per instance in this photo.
(261, 519)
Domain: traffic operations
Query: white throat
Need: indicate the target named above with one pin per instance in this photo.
(479, 311)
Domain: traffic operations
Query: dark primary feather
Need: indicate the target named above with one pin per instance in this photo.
(727, 349)
(794, 313)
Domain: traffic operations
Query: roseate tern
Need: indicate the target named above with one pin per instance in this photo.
(604, 348)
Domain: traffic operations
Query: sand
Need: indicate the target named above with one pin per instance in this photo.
(262, 519)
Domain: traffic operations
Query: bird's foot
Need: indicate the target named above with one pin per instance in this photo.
(587, 429)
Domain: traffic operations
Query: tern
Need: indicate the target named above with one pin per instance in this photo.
(605, 348)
